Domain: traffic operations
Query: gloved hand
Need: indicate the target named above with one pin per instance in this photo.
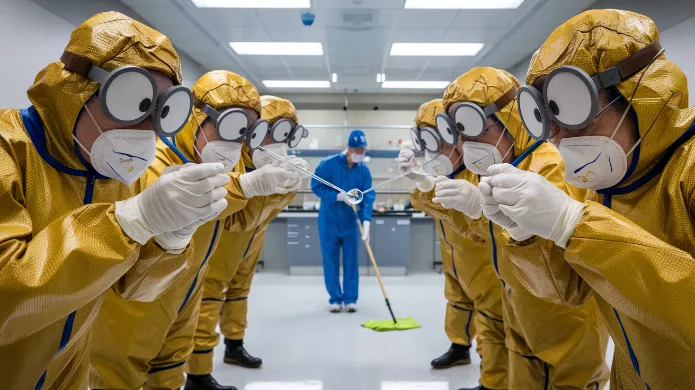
(342, 197)
(491, 210)
(268, 180)
(178, 240)
(366, 226)
(175, 200)
(534, 203)
(290, 164)
(459, 195)
(406, 161)
(174, 168)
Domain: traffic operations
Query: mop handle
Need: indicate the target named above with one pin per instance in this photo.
(304, 171)
(371, 255)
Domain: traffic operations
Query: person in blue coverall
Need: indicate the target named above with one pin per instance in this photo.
(337, 222)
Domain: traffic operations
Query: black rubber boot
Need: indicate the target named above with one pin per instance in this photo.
(235, 353)
(204, 382)
(457, 355)
(481, 387)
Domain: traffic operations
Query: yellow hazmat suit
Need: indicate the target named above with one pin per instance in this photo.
(551, 345)
(161, 332)
(633, 248)
(61, 247)
(470, 285)
(231, 268)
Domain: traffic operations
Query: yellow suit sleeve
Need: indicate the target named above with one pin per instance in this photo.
(236, 200)
(474, 230)
(47, 274)
(638, 274)
(538, 263)
(257, 210)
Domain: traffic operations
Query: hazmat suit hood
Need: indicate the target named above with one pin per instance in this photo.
(484, 86)
(599, 39)
(218, 89)
(273, 109)
(110, 40)
(427, 113)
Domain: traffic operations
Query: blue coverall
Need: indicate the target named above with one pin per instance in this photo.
(338, 224)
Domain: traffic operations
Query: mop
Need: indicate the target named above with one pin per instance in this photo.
(384, 325)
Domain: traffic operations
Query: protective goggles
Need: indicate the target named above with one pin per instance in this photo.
(469, 119)
(128, 95)
(571, 97)
(234, 125)
(283, 132)
(427, 138)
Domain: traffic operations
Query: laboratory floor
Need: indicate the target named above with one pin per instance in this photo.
(304, 347)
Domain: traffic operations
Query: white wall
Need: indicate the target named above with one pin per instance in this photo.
(678, 42)
(337, 138)
(32, 37)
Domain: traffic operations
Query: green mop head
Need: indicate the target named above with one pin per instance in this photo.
(386, 325)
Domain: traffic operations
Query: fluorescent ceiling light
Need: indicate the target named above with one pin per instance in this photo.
(462, 4)
(436, 49)
(415, 84)
(380, 77)
(334, 77)
(296, 84)
(278, 48)
(252, 3)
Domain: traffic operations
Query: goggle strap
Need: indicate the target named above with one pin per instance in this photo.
(76, 63)
(501, 102)
(205, 109)
(629, 66)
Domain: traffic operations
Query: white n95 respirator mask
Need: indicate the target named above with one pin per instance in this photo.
(593, 162)
(261, 158)
(121, 154)
(479, 156)
(225, 152)
(437, 165)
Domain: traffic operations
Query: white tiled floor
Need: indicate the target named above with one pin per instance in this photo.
(304, 347)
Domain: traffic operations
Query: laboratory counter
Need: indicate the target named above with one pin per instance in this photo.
(292, 243)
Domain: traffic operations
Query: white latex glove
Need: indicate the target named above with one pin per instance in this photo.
(268, 180)
(491, 210)
(175, 200)
(366, 226)
(459, 195)
(174, 168)
(342, 197)
(294, 160)
(177, 241)
(406, 161)
(534, 203)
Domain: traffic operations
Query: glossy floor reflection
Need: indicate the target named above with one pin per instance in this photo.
(304, 347)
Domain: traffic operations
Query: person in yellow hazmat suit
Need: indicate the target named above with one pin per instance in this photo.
(164, 329)
(473, 291)
(243, 242)
(617, 109)
(551, 346)
(231, 268)
(75, 217)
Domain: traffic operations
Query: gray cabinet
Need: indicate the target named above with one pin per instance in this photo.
(390, 245)
(303, 242)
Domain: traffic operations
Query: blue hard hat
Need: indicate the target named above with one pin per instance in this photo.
(357, 139)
